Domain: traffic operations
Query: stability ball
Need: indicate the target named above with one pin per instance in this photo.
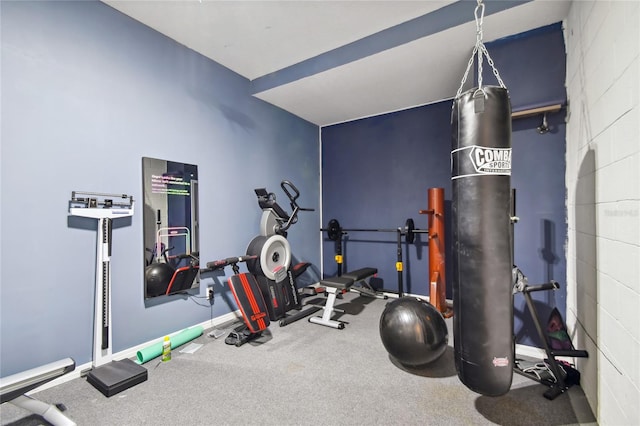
(157, 277)
(413, 331)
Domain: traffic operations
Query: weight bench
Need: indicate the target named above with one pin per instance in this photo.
(359, 276)
(335, 285)
(13, 389)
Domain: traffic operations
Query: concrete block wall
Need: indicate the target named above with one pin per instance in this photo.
(603, 203)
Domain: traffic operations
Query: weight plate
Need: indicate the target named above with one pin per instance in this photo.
(334, 231)
(409, 227)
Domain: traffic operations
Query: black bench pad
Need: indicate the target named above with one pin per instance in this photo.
(360, 274)
(337, 282)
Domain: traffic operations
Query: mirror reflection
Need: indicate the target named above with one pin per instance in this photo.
(170, 220)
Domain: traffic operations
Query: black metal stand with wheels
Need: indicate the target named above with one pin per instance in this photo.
(557, 381)
(556, 377)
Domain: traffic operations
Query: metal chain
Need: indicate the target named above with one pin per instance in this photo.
(466, 72)
(479, 35)
(493, 67)
(480, 50)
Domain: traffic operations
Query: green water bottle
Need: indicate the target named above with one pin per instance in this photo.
(166, 349)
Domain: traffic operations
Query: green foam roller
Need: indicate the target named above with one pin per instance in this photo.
(155, 350)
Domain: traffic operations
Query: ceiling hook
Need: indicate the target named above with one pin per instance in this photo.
(479, 15)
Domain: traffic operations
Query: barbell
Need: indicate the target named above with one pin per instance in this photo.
(335, 231)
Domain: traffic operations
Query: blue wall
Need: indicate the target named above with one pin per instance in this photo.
(538, 169)
(86, 93)
(375, 175)
(376, 171)
(533, 67)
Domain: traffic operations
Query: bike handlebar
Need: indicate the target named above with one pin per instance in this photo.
(220, 264)
(284, 185)
(292, 193)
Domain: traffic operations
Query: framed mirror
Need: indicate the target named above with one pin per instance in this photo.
(170, 221)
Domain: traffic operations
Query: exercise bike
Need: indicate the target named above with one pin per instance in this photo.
(271, 256)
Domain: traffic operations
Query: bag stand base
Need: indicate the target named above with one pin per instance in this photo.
(558, 378)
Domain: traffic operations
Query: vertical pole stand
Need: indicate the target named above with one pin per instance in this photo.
(108, 376)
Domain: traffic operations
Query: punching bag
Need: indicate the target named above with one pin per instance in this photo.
(482, 263)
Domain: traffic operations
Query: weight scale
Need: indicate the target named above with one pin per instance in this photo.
(106, 375)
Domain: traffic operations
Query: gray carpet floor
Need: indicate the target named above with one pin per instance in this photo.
(307, 374)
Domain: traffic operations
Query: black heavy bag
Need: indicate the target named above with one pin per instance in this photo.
(482, 282)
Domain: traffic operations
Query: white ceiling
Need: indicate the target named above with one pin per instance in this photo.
(334, 61)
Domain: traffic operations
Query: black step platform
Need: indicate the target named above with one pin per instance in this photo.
(116, 376)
